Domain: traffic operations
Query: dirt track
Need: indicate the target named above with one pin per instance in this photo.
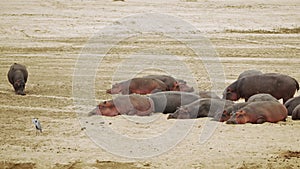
(48, 37)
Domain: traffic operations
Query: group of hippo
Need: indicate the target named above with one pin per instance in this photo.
(162, 93)
(165, 94)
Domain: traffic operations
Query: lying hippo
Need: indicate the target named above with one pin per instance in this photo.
(172, 84)
(277, 85)
(249, 73)
(259, 112)
(125, 104)
(138, 86)
(206, 107)
(168, 102)
(17, 76)
(291, 104)
(229, 111)
(262, 97)
(296, 113)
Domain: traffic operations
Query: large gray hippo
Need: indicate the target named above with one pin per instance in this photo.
(17, 76)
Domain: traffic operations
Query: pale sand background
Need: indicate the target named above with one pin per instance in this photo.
(47, 36)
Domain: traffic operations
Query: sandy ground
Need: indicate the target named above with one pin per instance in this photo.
(49, 36)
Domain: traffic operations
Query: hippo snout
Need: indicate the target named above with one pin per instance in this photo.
(231, 122)
(170, 116)
(93, 112)
(20, 92)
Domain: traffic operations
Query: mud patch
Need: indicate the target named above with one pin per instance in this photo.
(290, 154)
(17, 165)
(99, 164)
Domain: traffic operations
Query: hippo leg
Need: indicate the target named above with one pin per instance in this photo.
(261, 120)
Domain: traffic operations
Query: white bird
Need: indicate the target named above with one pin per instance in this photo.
(37, 124)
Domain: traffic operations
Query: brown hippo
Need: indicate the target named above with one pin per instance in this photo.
(17, 76)
(229, 111)
(296, 113)
(138, 86)
(291, 104)
(277, 85)
(249, 73)
(206, 107)
(172, 84)
(168, 102)
(262, 97)
(259, 112)
(125, 104)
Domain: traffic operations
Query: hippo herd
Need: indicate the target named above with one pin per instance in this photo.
(165, 94)
(150, 94)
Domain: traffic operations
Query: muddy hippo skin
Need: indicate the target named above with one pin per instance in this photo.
(138, 86)
(277, 85)
(259, 112)
(291, 104)
(17, 76)
(262, 97)
(296, 113)
(172, 84)
(249, 73)
(168, 102)
(206, 107)
(125, 104)
(229, 111)
(207, 94)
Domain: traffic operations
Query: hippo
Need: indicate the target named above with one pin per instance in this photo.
(259, 112)
(207, 94)
(296, 113)
(249, 73)
(229, 111)
(17, 76)
(169, 101)
(183, 86)
(206, 107)
(125, 104)
(262, 97)
(138, 86)
(291, 104)
(172, 84)
(277, 85)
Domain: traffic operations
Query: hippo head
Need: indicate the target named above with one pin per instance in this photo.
(182, 86)
(116, 89)
(19, 87)
(181, 113)
(229, 94)
(105, 108)
(239, 117)
(224, 116)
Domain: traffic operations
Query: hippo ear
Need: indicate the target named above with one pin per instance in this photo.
(104, 102)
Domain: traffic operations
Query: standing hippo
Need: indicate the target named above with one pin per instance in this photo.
(17, 76)
(296, 113)
(249, 73)
(291, 104)
(125, 104)
(168, 102)
(262, 97)
(172, 84)
(206, 107)
(277, 85)
(229, 111)
(138, 86)
(259, 112)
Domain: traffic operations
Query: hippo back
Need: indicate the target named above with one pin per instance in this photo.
(169, 101)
